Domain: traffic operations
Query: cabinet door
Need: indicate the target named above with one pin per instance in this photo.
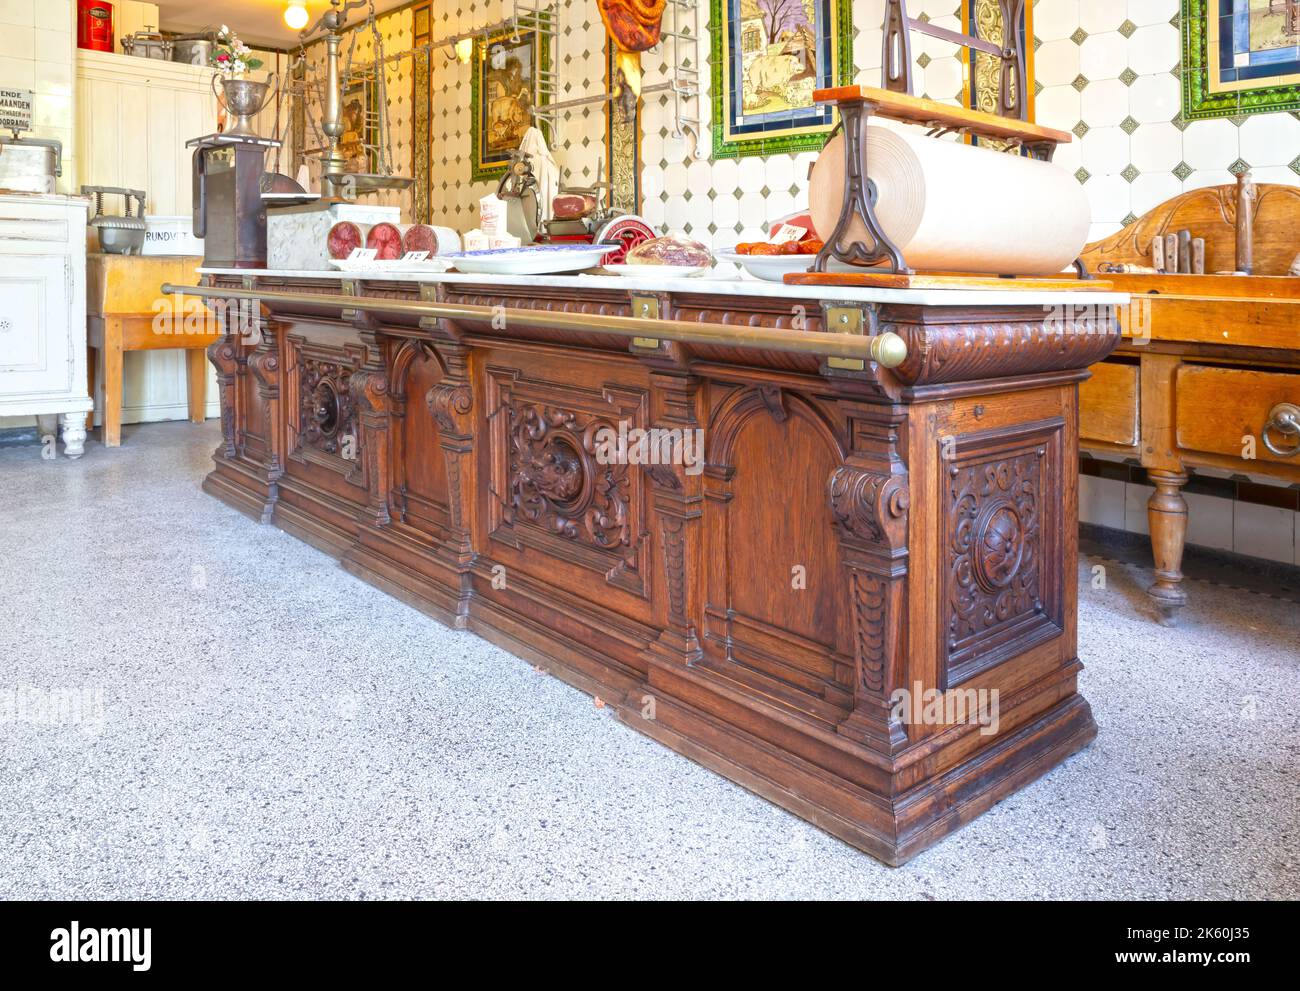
(35, 356)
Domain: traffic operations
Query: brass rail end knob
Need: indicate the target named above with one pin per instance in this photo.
(888, 349)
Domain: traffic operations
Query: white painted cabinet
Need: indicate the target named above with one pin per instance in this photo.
(43, 311)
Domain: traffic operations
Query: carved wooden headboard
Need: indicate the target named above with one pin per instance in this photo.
(1211, 213)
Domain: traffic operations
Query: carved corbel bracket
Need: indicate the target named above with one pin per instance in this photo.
(451, 404)
(226, 359)
(368, 387)
(870, 508)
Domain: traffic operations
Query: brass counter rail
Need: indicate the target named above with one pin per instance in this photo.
(887, 349)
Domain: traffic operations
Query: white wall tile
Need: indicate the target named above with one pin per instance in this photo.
(52, 46)
(1106, 151)
(1155, 98)
(56, 15)
(1142, 12)
(1156, 147)
(1264, 531)
(1136, 497)
(17, 41)
(1154, 48)
(1104, 103)
(1101, 501)
(1103, 56)
(1057, 19)
(1211, 144)
(1270, 139)
(1058, 106)
(18, 73)
(1209, 521)
(18, 12)
(1056, 63)
(1099, 16)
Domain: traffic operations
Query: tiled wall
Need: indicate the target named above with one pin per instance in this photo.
(37, 45)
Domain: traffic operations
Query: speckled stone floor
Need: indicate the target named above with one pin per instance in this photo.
(193, 706)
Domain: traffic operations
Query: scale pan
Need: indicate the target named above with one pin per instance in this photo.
(369, 182)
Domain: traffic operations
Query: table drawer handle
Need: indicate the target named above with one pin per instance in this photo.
(1284, 418)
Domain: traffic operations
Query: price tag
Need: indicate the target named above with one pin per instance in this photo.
(415, 256)
(787, 232)
(363, 254)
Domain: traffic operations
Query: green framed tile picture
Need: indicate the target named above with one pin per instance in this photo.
(767, 58)
(1240, 57)
(503, 89)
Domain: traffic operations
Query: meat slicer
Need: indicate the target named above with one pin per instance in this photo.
(602, 224)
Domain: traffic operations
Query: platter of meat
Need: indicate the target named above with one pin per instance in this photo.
(772, 262)
(534, 259)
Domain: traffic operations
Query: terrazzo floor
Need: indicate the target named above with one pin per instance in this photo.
(195, 706)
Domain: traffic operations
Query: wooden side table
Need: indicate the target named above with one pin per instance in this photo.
(126, 311)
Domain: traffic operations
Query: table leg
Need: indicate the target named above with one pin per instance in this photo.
(112, 383)
(92, 359)
(74, 434)
(196, 373)
(1167, 515)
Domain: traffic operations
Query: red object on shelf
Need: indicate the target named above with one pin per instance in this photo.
(95, 25)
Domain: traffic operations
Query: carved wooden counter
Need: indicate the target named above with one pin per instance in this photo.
(852, 532)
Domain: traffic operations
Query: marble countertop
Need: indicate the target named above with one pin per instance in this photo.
(723, 285)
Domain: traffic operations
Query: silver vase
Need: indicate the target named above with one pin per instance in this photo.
(245, 99)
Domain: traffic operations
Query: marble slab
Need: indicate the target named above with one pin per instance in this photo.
(728, 285)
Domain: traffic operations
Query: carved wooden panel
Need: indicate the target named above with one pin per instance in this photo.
(549, 488)
(321, 409)
(1003, 545)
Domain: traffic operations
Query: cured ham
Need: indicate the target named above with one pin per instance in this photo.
(634, 25)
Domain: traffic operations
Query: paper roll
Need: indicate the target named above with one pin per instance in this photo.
(955, 207)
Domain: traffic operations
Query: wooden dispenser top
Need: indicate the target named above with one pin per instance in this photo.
(930, 113)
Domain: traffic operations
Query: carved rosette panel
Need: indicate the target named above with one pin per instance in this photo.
(327, 414)
(1002, 538)
(552, 489)
(556, 481)
(994, 547)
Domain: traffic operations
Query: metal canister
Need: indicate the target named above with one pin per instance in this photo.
(30, 164)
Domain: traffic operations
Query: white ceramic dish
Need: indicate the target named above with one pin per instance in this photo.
(537, 259)
(390, 266)
(658, 271)
(769, 268)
